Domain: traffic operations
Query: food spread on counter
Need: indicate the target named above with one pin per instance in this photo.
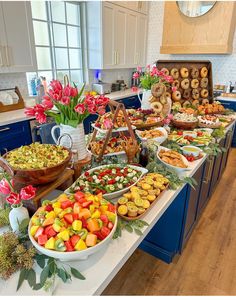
(150, 134)
(185, 117)
(141, 117)
(209, 121)
(197, 136)
(172, 158)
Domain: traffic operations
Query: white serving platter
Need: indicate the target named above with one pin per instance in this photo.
(159, 140)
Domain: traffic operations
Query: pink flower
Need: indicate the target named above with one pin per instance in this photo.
(139, 69)
(65, 100)
(107, 123)
(166, 121)
(174, 89)
(134, 89)
(56, 85)
(73, 92)
(92, 109)
(136, 75)
(27, 192)
(55, 94)
(101, 110)
(148, 67)
(30, 111)
(169, 79)
(89, 100)
(5, 187)
(101, 100)
(47, 104)
(13, 198)
(170, 116)
(39, 113)
(80, 108)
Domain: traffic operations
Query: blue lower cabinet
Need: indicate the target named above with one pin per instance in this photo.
(230, 105)
(225, 155)
(87, 123)
(164, 238)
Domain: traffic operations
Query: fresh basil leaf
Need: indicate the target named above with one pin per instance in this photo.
(22, 277)
(77, 274)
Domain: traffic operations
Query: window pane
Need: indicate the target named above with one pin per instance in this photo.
(61, 58)
(60, 74)
(41, 33)
(76, 76)
(38, 10)
(72, 12)
(58, 11)
(59, 33)
(47, 74)
(74, 36)
(75, 58)
(43, 58)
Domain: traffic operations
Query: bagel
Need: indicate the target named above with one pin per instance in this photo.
(205, 101)
(186, 94)
(165, 71)
(184, 72)
(186, 104)
(204, 93)
(163, 99)
(204, 72)
(185, 84)
(158, 89)
(175, 83)
(195, 103)
(204, 82)
(176, 96)
(174, 73)
(157, 106)
(195, 94)
(168, 95)
(152, 99)
(194, 83)
(195, 73)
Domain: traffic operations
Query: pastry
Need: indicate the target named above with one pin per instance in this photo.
(204, 72)
(205, 101)
(186, 94)
(165, 71)
(163, 99)
(157, 107)
(176, 96)
(185, 84)
(186, 104)
(194, 83)
(195, 94)
(174, 73)
(195, 103)
(204, 93)
(158, 89)
(204, 82)
(184, 72)
(194, 73)
(175, 83)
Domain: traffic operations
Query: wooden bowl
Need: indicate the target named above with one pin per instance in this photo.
(185, 125)
(35, 176)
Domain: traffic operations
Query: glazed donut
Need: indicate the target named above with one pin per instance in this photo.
(204, 82)
(194, 83)
(204, 72)
(195, 94)
(194, 73)
(165, 71)
(185, 84)
(204, 93)
(158, 89)
(186, 94)
(195, 103)
(168, 95)
(176, 96)
(174, 73)
(186, 104)
(205, 101)
(163, 99)
(157, 107)
(175, 83)
(184, 72)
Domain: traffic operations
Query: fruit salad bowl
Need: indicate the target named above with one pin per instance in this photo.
(74, 227)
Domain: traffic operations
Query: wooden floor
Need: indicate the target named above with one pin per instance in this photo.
(208, 264)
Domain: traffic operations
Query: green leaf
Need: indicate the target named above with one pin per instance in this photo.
(22, 277)
(143, 222)
(40, 262)
(138, 232)
(73, 123)
(52, 265)
(37, 286)
(23, 225)
(77, 274)
(62, 274)
(128, 228)
(31, 277)
(44, 275)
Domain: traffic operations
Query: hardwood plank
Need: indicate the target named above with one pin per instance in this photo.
(207, 265)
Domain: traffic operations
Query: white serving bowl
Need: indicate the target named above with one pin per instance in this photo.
(190, 133)
(177, 169)
(116, 194)
(74, 255)
(187, 150)
(159, 140)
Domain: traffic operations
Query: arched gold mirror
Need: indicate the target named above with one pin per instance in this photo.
(194, 9)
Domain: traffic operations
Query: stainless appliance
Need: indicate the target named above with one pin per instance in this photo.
(135, 81)
(102, 88)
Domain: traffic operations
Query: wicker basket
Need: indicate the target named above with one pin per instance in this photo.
(184, 125)
(212, 126)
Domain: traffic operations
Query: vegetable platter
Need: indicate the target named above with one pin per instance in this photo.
(197, 137)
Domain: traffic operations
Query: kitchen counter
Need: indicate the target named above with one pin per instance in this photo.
(122, 94)
(219, 98)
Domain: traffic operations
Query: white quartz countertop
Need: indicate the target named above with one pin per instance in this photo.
(219, 98)
(122, 94)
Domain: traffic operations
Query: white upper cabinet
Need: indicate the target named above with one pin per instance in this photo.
(16, 37)
(141, 40)
(138, 6)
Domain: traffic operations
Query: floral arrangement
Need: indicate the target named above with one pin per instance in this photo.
(72, 107)
(150, 76)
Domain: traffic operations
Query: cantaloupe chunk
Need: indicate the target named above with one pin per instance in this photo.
(91, 240)
(48, 221)
(93, 225)
(62, 197)
(85, 213)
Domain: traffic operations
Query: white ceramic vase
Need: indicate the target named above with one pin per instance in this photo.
(76, 143)
(145, 104)
(17, 215)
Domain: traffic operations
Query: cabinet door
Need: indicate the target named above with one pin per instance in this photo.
(3, 64)
(20, 50)
(226, 154)
(120, 36)
(131, 39)
(143, 7)
(141, 40)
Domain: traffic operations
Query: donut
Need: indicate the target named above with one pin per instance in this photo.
(204, 72)
(165, 71)
(175, 83)
(195, 94)
(194, 83)
(186, 104)
(157, 106)
(185, 84)
(186, 94)
(158, 89)
(176, 96)
(174, 73)
(168, 95)
(195, 103)
(204, 93)
(184, 72)
(204, 82)
(163, 99)
(205, 101)
(194, 73)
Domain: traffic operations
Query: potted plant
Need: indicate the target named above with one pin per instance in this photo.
(69, 108)
(149, 77)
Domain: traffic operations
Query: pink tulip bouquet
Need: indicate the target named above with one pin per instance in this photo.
(72, 107)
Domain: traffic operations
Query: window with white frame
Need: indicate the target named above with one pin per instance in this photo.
(58, 43)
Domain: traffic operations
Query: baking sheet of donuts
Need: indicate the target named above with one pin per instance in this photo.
(193, 80)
